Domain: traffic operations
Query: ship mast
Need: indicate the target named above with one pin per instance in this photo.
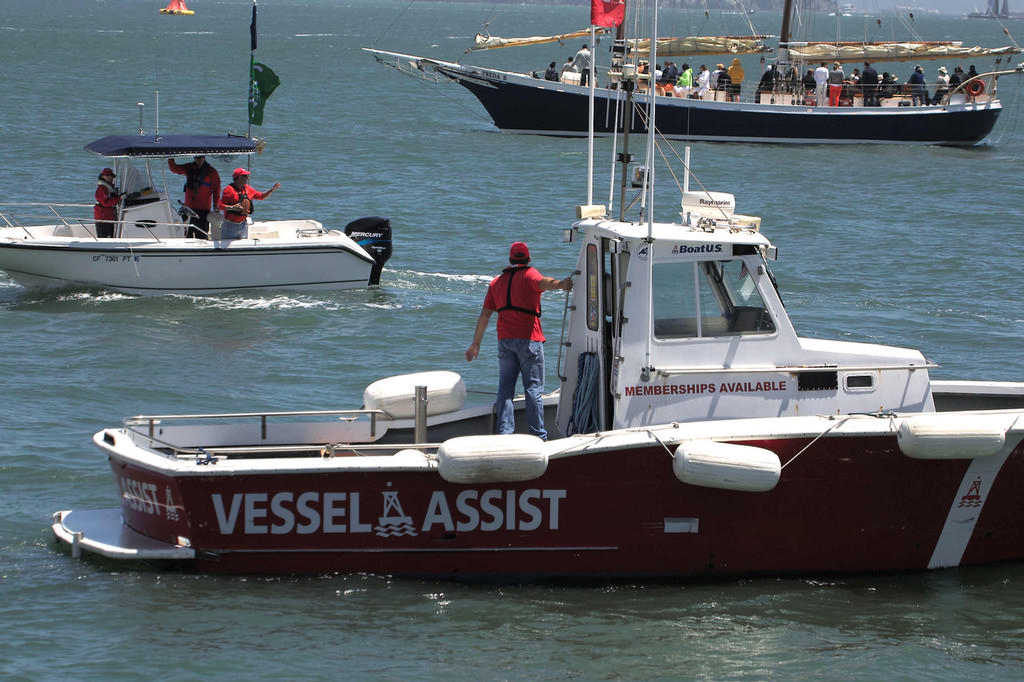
(784, 34)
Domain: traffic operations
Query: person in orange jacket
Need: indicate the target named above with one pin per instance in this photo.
(237, 202)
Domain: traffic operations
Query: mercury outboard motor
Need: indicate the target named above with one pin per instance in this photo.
(374, 235)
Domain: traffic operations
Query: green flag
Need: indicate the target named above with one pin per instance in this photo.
(262, 83)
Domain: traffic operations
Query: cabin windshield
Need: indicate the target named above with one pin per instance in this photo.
(709, 298)
(133, 178)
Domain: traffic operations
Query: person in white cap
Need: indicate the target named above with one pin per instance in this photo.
(237, 202)
(941, 85)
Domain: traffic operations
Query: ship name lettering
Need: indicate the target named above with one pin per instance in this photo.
(139, 496)
(494, 509)
(285, 512)
(309, 512)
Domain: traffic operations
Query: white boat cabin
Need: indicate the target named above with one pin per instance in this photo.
(683, 322)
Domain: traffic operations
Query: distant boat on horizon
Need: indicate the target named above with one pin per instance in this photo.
(176, 7)
(993, 11)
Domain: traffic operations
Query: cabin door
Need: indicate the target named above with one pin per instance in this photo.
(609, 271)
(586, 405)
(616, 262)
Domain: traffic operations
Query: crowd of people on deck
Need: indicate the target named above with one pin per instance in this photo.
(826, 86)
(203, 195)
(822, 86)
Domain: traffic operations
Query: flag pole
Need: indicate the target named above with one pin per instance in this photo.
(602, 13)
(252, 60)
(590, 118)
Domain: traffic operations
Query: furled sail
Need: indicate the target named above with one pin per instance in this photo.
(692, 46)
(482, 42)
(893, 52)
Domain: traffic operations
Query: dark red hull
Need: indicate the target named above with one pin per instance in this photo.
(845, 505)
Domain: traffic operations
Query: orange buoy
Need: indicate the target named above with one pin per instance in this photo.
(176, 7)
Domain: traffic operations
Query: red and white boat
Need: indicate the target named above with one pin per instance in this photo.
(699, 436)
(715, 441)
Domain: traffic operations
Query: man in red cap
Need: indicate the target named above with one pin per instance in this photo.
(237, 202)
(202, 190)
(515, 296)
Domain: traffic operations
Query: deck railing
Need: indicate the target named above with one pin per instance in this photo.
(257, 433)
(40, 219)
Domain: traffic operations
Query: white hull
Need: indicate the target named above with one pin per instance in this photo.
(149, 266)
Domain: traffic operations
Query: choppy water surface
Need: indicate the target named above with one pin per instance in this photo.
(905, 246)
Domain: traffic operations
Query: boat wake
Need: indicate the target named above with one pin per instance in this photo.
(403, 289)
(437, 281)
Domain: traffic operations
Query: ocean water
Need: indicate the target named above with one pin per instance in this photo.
(916, 247)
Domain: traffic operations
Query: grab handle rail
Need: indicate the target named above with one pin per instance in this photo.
(146, 425)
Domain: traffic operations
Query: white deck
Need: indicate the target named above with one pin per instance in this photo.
(102, 532)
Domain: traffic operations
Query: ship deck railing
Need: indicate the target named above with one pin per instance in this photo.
(891, 95)
(29, 215)
(42, 220)
(320, 433)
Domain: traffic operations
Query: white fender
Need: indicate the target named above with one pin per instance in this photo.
(491, 459)
(728, 466)
(952, 436)
(410, 456)
(397, 395)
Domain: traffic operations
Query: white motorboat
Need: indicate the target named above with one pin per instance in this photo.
(56, 245)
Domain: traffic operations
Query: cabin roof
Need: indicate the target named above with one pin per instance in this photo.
(665, 234)
(133, 146)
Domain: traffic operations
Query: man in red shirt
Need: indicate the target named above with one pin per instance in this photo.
(515, 296)
(202, 190)
(237, 202)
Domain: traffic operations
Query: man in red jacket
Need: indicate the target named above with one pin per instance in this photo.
(104, 212)
(515, 296)
(202, 190)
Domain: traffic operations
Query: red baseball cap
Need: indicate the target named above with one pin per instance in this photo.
(239, 171)
(519, 252)
(106, 171)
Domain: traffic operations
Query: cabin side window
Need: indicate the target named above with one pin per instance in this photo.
(710, 298)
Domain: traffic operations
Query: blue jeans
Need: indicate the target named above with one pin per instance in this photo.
(515, 357)
(230, 230)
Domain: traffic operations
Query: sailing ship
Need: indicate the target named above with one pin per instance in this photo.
(177, 7)
(785, 111)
